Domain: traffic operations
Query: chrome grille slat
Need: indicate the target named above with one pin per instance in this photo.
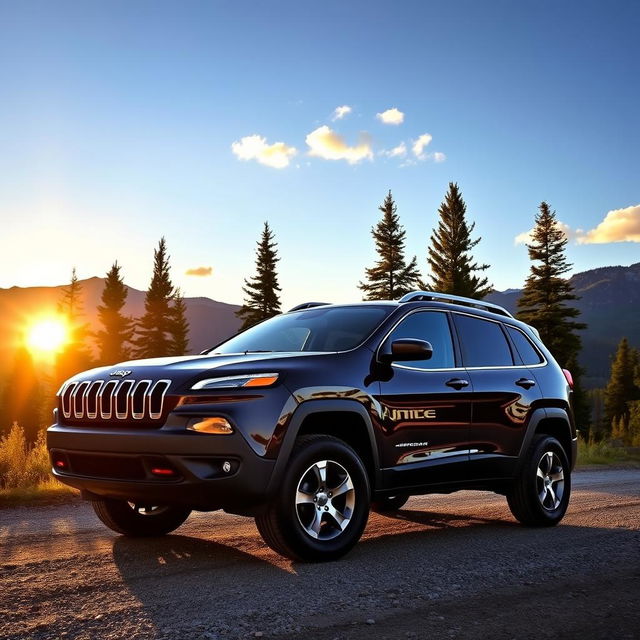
(161, 387)
(113, 399)
(78, 397)
(121, 397)
(143, 384)
(92, 399)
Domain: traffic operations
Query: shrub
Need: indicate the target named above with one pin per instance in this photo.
(23, 465)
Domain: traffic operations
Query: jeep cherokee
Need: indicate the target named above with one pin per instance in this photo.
(309, 419)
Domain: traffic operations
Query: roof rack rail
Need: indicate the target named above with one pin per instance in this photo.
(308, 305)
(416, 296)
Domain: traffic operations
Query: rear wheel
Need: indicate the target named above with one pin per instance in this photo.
(539, 497)
(387, 504)
(322, 506)
(136, 519)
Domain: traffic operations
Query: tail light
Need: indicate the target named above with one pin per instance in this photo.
(569, 377)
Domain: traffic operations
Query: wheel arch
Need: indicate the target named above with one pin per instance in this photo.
(347, 420)
(552, 421)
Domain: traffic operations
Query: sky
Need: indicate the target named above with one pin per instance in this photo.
(121, 122)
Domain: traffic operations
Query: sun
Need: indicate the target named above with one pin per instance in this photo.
(47, 336)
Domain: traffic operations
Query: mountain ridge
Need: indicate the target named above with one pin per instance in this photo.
(609, 303)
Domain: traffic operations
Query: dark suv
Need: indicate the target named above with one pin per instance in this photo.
(311, 418)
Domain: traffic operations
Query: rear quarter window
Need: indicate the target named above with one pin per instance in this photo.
(524, 347)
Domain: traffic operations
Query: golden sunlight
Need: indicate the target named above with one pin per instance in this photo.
(47, 336)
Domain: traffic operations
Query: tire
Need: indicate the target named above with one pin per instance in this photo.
(539, 496)
(307, 519)
(386, 504)
(132, 519)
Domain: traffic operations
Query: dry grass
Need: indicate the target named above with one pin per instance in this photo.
(25, 476)
(603, 453)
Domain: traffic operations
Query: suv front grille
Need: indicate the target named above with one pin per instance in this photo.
(113, 400)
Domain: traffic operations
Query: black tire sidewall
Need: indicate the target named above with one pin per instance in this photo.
(547, 443)
(296, 537)
(121, 517)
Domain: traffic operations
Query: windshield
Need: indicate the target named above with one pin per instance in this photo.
(317, 329)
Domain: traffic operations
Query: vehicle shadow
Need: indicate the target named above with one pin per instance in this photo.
(192, 585)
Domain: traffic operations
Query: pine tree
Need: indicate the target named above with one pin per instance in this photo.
(452, 266)
(546, 291)
(261, 292)
(621, 389)
(75, 356)
(22, 396)
(113, 340)
(153, 331)
(391, 277)
(179, 326)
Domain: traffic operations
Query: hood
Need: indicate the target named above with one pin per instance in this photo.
(182, 369)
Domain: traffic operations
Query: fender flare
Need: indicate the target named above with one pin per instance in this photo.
(312, 407)
(539, 414)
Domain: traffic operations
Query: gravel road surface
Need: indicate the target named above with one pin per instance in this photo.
(454, 566)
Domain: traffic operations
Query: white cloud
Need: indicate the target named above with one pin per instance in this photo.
(341, 112)
(438, 156)
(420, 144)
(255, 147)
(619, 225)
(397, 152)
(527, 236)
(325, 143)
(391, 116)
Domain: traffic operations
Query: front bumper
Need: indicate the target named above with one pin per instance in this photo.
(118, 464)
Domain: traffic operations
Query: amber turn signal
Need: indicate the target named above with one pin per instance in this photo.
(217, 425)
(261, 382)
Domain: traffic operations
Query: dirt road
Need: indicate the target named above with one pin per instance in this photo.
(444, 567)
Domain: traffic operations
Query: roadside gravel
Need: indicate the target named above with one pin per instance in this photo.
(445, 566)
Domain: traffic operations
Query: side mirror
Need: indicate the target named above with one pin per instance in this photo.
(405, 349)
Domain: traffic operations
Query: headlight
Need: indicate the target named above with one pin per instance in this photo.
(236, 382)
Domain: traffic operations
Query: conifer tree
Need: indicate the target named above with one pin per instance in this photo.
(453, 269)
(179, 326)
(261, 292)
(391, 277)
(621, 389)
(22, 396)
(114, 338)
(75, 356)
(546, 291)
(153, 331)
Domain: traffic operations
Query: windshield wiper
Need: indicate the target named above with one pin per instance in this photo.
(258, 351)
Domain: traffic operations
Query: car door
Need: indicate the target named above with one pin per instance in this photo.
(505, 393)
(425, 407)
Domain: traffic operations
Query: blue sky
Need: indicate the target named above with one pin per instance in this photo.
(117, 121)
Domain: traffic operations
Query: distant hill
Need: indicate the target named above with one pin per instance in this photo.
(609, 304)
(210, 321)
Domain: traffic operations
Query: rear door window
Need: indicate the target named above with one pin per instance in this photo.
(483, 342)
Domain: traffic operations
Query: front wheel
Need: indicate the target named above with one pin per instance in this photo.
(135, 519)
(539, 496)
(322, 506)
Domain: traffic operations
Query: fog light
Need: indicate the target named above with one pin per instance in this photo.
(162, 471)
(220, 426)
(60, 464)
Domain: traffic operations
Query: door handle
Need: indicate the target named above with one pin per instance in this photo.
(525, 383)
(457, 383)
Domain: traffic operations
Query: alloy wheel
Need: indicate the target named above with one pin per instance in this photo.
(325, 500)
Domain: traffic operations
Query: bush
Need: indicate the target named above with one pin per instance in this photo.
(23, 465)
(602, 452)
